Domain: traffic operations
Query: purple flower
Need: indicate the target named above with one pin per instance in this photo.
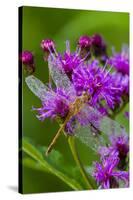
(98, 45)
(47, 45)
(27, 59)
(106, 174)
(103, 110)
(97, 40)
(56, 104)
(98, 82)
(68, 61)
(119, 144)
(120, 61)
(85, 42)
(122, 82)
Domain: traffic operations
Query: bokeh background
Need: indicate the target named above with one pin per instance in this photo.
(60, 25)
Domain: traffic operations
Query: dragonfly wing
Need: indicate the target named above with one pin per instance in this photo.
(59, 76)
(37, 87)
(91, 139)
(94, 128)
(104, 124)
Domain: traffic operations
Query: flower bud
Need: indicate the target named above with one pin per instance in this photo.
(97, 40)
(47, 45)
(27, 59)
(84, 42)
(98, 45)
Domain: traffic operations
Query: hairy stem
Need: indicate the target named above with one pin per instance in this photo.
(72, 145)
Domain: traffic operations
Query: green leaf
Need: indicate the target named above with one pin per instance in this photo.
(31, 150)
(30, 163)
(53, 163)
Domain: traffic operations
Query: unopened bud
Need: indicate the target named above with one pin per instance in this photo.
(27, 59)
(47, 45)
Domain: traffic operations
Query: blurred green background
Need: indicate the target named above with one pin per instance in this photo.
(60, 25)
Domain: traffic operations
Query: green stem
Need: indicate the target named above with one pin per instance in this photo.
(75, 154)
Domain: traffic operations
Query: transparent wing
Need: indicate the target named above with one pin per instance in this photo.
(102, 123)
(59, 76)
(38, 88)
(96, 128)
(91, 139)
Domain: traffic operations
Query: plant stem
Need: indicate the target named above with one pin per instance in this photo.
(71, 141)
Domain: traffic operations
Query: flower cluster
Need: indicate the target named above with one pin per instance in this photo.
(109, 91)
(56, 104)
(105, 81)
(120, 62)
(98, 83)
(114, 160)
(69, 62)
(106, 173)
(95, 45)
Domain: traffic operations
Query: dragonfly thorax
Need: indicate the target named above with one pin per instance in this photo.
(85, 97)
(79, 103)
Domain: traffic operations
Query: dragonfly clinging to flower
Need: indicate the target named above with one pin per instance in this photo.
(90, 126)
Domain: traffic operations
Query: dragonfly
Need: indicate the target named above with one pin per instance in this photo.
(95, 133)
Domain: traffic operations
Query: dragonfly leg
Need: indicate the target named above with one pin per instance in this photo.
(50, 147)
